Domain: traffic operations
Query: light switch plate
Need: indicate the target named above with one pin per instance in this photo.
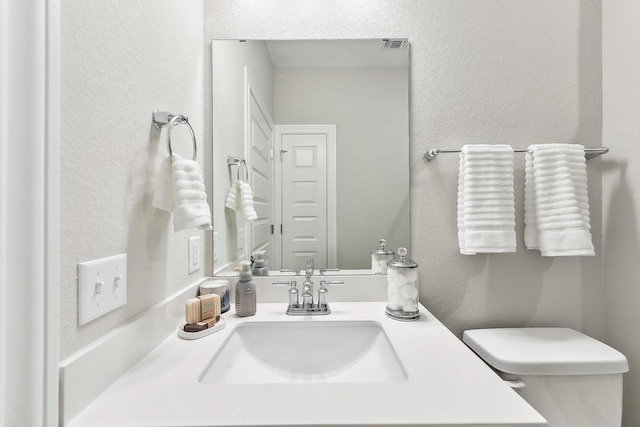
(102, 287)
(194, 254)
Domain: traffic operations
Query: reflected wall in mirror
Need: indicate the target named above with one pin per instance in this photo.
(320, 129)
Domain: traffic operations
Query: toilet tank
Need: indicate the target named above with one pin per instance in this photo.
(570, 378)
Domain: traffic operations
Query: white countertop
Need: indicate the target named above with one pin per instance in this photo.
(447, 385)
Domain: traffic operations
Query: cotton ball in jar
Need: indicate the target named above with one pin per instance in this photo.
(409, 291)
(409, 305)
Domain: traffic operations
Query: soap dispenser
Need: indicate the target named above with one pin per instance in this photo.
(245, 292)
(260, 264)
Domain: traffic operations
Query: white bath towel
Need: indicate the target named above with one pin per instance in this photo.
(486, 209)
(556, 200)
(240, 199)
(246, 202)
(180, 189)
(163, 188)
(233, 197)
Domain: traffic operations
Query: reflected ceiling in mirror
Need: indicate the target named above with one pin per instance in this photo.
(319, 130)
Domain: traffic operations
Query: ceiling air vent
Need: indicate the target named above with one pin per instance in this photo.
(395, 43)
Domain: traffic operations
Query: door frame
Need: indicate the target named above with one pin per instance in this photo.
(251, 89)
(332, 204)
(29, 91)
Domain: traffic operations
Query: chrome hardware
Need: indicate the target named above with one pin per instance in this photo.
(163, 119)
(324, 270)
(307, 287)
(295, 271)
(293, 294)
(307, 307)
(431, 153)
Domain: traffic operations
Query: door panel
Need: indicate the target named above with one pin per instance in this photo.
(304, 199)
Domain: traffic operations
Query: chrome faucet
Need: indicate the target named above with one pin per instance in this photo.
(307, 287)
(308, 307)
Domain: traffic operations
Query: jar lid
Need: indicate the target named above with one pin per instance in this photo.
(382, 250)
(402, 262)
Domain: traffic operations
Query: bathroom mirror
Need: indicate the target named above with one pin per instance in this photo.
(319, 129)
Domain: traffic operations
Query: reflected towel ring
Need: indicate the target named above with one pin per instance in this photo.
(246, 171)
(181, 119)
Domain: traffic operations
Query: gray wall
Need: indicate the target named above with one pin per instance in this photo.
(369, 108)
(489, 71)
(621, 189)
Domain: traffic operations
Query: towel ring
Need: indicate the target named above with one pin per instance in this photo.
(246, 170)
(181, 119)
(165, 119)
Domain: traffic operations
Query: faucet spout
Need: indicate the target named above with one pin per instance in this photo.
(307, 286)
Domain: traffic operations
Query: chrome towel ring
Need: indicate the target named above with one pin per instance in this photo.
(165, 119)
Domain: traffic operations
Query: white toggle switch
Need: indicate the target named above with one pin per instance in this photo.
(102, 287)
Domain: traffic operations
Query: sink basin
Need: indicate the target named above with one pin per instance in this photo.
(305, 352)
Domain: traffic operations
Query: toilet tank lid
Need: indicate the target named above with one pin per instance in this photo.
(544, 351)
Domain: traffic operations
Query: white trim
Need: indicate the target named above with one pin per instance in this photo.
(29, 88)
(332, 204)
(252, 88)
(52, 218)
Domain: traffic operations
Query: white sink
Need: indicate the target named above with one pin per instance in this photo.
(305, 352)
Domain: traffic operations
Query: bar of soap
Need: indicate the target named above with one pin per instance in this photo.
(210, 306)
(192, 311)
(195, 327)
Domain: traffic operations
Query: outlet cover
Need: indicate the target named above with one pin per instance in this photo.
(194, 254)
(102, 287)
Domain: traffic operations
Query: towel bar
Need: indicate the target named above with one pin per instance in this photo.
(237, 161)
(165, 119)
(431, 153)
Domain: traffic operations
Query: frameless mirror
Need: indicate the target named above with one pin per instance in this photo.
(319, 129)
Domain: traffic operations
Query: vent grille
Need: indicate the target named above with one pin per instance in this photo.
(395, 43)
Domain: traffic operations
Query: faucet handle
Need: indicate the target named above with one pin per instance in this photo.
(293, 292)
(323, 298)
(324, 283)
(284, 283)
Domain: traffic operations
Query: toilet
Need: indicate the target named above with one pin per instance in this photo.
(571, 379)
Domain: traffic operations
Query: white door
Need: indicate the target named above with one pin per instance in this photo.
(307, 189)
(260, 166)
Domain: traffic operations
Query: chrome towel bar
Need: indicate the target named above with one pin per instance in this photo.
(431, 153)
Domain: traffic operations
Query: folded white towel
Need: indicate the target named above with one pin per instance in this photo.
(180, 189)
(163, 189)
(233, 198)
(486, 209)
(189, 193)
(246, 202)
(240, 199)
(556, 200)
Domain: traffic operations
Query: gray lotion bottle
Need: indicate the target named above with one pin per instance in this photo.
(245, 292)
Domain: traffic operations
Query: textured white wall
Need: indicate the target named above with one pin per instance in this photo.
(119, 62)
(492, 71)
(621, 189)
(369, 108)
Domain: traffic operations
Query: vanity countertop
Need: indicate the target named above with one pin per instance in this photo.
(447, 385)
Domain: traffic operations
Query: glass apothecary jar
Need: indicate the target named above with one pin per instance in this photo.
(402, 288)
(380, 258)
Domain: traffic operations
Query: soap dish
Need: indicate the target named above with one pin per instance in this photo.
(195, 335)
